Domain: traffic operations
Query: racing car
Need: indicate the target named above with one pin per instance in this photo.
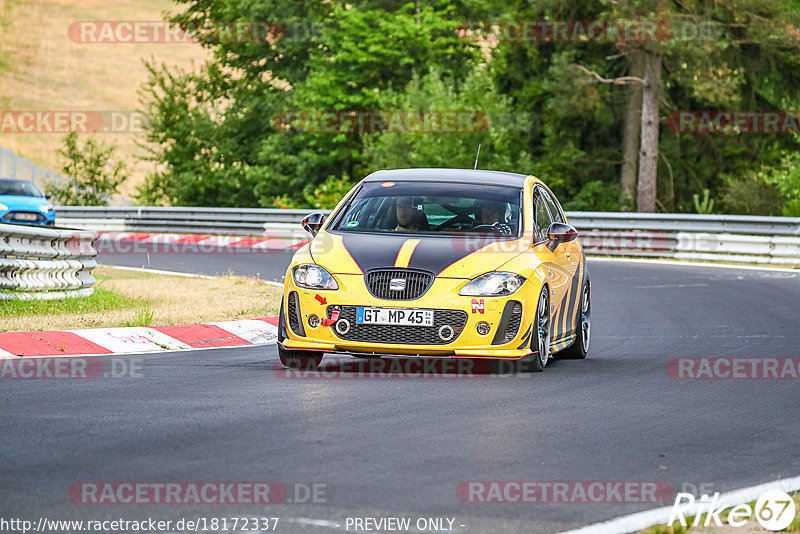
(438, 263)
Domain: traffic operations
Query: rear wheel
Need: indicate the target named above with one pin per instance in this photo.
(583, 328)
(295, 359)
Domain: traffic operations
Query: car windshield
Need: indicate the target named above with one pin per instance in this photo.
(432, 208)
(20, 188)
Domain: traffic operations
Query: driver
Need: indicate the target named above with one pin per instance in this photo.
(488, 213)
(409, 218)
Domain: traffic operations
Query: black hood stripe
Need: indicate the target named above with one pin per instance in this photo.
(434, 254)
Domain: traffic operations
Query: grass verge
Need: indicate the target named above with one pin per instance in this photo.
(133, 298)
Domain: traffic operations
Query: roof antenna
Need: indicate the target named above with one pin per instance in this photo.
(476, 158)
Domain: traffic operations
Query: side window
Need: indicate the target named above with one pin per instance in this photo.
(552, 205)
(543, 220)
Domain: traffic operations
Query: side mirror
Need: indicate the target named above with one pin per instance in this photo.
(560, 233)
(48, 197)
(313, 222)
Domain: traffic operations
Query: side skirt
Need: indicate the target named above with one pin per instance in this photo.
(563, 343)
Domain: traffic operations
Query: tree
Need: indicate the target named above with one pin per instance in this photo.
(734, 55)
(492, 124)
(96, 178)
(215, 130)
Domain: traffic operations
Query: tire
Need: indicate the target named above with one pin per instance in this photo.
(536, 362)
(295, 359)
(583, 328)
(299, 359)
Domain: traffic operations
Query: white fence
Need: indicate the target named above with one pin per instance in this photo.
(43, 263)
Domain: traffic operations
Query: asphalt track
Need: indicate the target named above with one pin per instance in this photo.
(399, 447)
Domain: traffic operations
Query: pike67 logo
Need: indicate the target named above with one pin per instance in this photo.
(774, 510)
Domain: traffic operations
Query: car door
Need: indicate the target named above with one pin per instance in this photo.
(569, 256)
(558, 267)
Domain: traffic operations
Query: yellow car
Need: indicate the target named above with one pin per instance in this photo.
(439, 263)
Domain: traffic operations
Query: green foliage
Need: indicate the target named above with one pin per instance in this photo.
(705, 206)
(749, 194)
(329, 193)
(90, 165)
(144, 317)
(786, 178)
(595, 195)
(492, 123)
(216, 135)
(204, 132)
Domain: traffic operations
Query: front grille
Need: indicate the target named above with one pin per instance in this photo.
(415, 283)
(406, 335)
(293, 314)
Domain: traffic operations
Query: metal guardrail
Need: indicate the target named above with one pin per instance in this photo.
(44, 263)
(216, 221)
(734, 238)
(738, 238)
(680, 222)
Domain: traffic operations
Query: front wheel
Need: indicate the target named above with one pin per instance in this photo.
(536, 362)
(295, 359)
(299, 359)
(583, 328)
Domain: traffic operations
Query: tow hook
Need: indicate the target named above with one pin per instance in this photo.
(334, 317)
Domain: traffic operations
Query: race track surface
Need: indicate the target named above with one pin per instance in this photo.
(399, 447)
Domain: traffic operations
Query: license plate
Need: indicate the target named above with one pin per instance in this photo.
(396, 317)
(26, 217)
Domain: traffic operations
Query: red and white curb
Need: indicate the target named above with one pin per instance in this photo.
(100, 341)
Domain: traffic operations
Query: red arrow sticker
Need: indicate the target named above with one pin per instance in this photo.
(321, 300)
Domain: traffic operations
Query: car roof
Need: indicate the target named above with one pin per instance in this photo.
(470, 176)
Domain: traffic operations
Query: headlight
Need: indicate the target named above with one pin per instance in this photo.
(46, 209)
(3, 207)
(312, 276)
(493, 285)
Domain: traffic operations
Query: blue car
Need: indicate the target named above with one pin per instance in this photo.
(21, 202)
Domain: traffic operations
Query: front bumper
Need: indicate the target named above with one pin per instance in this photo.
(42, 219)
(509, 321)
